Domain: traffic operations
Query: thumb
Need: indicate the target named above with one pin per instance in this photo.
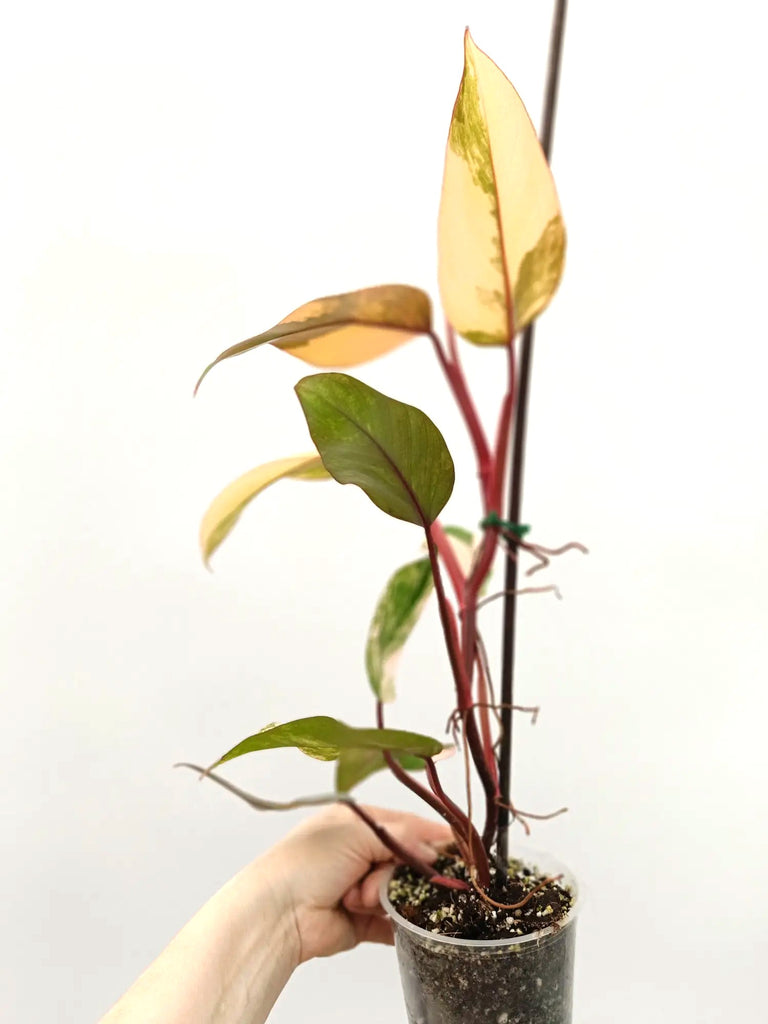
(417, 836)
(365, 897)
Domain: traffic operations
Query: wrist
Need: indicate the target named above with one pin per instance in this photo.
(283, 897)
(263, 918)
(247, 948)
(226, 966)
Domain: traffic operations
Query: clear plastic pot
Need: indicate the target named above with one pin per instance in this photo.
(526, 980)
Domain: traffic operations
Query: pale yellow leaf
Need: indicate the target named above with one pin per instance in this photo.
(225, 509)
(501, 239)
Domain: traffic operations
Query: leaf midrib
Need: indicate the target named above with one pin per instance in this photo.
(386, 454)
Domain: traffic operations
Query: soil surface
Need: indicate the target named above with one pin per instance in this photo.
(466, 915)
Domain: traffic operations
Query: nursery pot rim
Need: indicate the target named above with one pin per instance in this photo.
(537, 858)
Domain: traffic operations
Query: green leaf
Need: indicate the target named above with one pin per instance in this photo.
(324, 738)
(397, 612)
(345, 330)
(391, 450)
(357, 764)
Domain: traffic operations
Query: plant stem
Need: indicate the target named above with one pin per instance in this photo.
(483, 705)
(462, 651)
(443, 545)
(478, 858)
(516, 476)
(448, 622)
(452, 814)
(386, 837)
(463, 681)
(457, 382)
(400, 852)
(469, 648)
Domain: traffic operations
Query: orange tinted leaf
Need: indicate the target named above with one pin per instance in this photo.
(345, 330)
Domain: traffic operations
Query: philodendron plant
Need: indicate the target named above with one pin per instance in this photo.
(501, 246)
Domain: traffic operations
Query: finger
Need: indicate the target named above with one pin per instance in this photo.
(370, 889)
(422, 843)
(365, 898)
(353, 900)
(374, 929)
(425, 828)
(417, 836)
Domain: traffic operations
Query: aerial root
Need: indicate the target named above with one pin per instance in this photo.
(512, 906)
(518, 815)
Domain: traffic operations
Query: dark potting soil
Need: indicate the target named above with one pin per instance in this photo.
(465, 915)
(526, 983)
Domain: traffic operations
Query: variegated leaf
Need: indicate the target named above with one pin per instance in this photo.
(324, 738)
(501, 239)
(397, 612)
(345, 330)
(399, 609)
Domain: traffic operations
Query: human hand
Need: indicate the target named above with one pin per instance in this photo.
(329, 870)
(313, 894)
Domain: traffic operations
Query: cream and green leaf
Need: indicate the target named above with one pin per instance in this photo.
(325, 738)
(399, 609)
(391, 450)
(501, 238)
(397, 612)
(345, 330)
(225, 509)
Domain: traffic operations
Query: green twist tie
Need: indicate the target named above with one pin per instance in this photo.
(494, 519)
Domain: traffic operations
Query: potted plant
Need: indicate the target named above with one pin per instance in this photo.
(479, 937)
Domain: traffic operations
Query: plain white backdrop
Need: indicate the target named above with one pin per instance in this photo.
(178, 177)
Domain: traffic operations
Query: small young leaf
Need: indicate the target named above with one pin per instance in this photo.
(357, 764)
(225, 509)
(324, 738)
(463, 543)
(501, 240)
(393, 451)
(345, 330)
(396, 614)
(399, 609)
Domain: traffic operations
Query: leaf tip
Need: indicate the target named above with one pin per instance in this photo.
(202, 377)
(470, 46)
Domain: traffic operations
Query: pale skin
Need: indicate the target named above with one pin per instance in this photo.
(315, 893)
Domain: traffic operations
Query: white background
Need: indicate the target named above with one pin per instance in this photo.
(178, 177)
